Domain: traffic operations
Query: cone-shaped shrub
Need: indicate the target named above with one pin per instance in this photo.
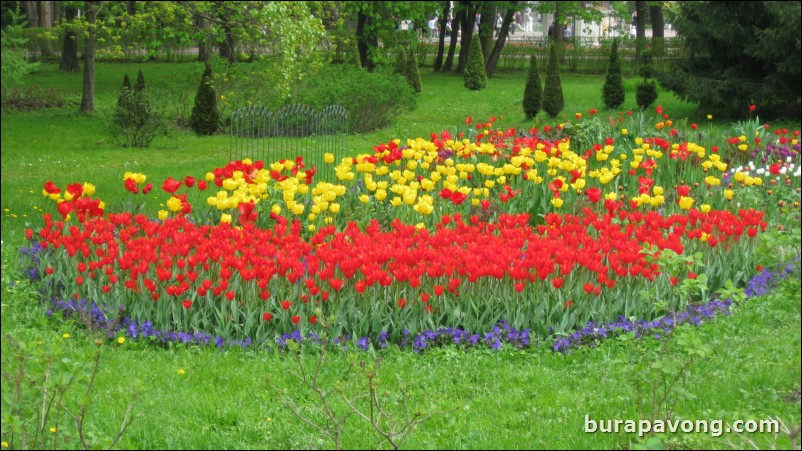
(553, 102)
(613, 91)
(475, 76)
(401, 63)
(205, 118)
(412, 72)
(125, 99)
(646, 92)
(141, 105)
(533, 93)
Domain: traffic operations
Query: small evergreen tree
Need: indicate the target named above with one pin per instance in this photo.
(412, 71)
(646, 92)
(205, 118)
(401, 63)
(613, 92)
(126, 97)
(133, 124)
(553, 102)
(141, 105)
(533, 93)
(475, 76)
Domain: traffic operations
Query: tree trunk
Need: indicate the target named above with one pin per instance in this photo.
(204, 46)
(88, 99)
(495, 54)
(226, 48)
(467, 36)
(366, 39)
(456, 26)
(658, 29)
(45, 13)
(487, 26)
(31, 13)
(45, 10)
(69, 52)
(438, 60)
(640, 28)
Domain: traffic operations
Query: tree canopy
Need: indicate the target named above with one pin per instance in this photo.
(739, 54)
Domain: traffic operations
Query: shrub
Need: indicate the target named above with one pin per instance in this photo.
(646, 92)
(31, 98)
(373, 99)
(553, 101)
(533, 93)
(133, 123)
(401, 63)
(613, 92)
(475, 76)
(205, 118)
(412, 72)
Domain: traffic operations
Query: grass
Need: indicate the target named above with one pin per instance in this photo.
(503, 400)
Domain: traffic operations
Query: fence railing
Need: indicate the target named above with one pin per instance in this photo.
(294, 130)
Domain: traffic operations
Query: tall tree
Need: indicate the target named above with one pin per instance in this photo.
(658, 28)
(375, 17)
(69, 50)
(495, 53)
(441, 42)
(88, 97)
(640, 28)
(456, 28)
(467, 35)
(754, 59)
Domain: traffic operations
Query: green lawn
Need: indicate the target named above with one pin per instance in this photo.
(494, 400)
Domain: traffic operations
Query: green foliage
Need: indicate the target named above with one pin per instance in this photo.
(475, 77)
(533, 93)
(356, 393)
(34, 97)
(133, 123)
(412, 71)
(205, 118)
(754, 59)
(373, 99)
(646, 92)
(40, 407)
(13, 62)
(553, 101)
(400, 67)
(661, 376)
(613, 91)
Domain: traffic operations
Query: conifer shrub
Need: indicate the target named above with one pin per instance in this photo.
(205, 118)
(475, 76)
(533, 93)
(412, 71)
(553, 101)
(646, 92)
(133, 122)
(613, 92)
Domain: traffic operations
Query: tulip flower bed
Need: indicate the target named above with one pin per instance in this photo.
(510, 231)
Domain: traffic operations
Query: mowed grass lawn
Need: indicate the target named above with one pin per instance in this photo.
(189, 398)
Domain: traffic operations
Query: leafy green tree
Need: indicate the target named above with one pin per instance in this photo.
(553, 101)
(14, 61)
(373, 18)
(475, 77)
(613, 91)
(533, 93)
(739, 53)
(205, 118)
